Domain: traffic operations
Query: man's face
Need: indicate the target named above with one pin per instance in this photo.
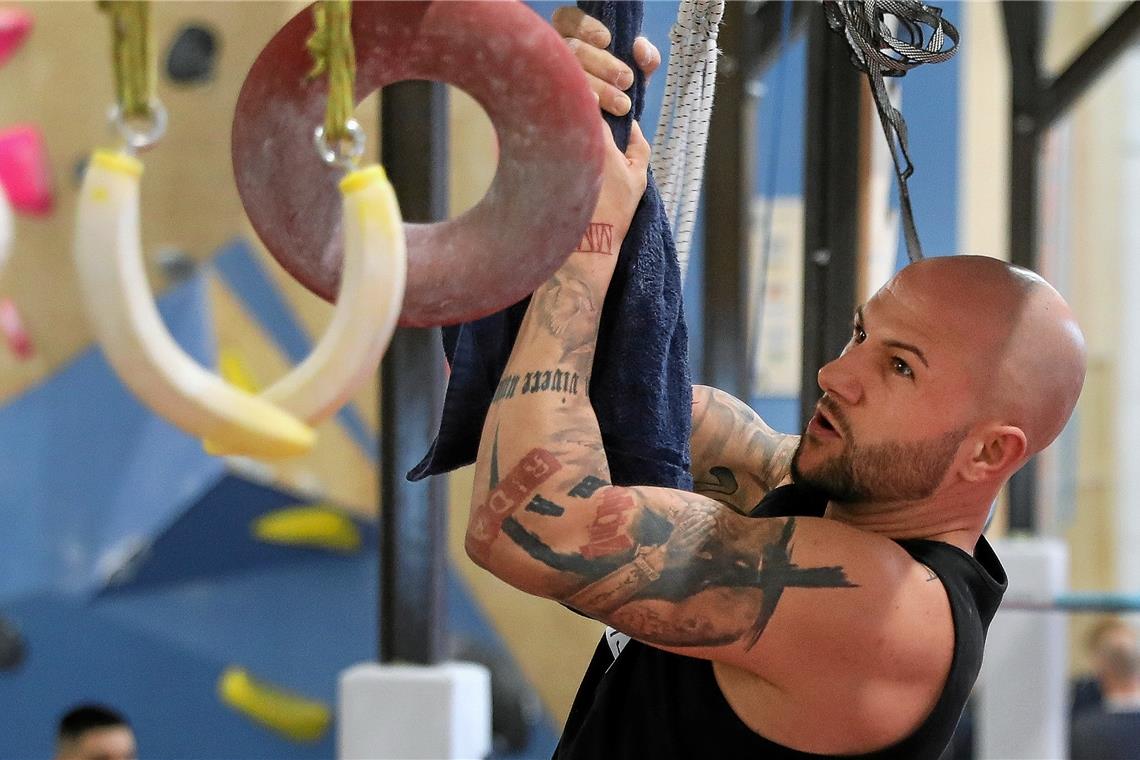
(1119, 640)
(895, 408)
(111, 743)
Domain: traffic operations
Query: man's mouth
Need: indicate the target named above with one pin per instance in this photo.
(822, 426)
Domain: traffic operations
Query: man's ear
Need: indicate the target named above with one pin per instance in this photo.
(995, 453)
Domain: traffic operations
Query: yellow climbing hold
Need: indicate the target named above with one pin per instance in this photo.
(293, 716)
(310, 526)
(235, 371)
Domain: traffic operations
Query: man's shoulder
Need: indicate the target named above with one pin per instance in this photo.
(846, 590)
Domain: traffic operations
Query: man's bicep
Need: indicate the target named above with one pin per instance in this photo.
(756, 592)
(720, 579)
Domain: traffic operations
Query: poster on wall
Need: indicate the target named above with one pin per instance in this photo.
(776, 280)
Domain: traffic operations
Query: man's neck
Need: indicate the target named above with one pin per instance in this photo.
(1124, 698)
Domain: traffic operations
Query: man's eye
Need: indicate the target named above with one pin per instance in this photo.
(901, 367)
(858, 334)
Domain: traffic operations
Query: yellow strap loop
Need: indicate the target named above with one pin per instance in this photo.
(134, 72)
(333, 54)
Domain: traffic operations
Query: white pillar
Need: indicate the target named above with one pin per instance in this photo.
(1128, 403)
(1022, 690)
(436, 712)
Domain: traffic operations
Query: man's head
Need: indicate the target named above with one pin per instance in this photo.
(94, 732)
(958, 370)
(1116, 657)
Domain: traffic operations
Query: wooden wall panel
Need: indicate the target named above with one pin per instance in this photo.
(62, 81)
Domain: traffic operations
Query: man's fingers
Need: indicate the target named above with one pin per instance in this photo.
(601, 64)
(648, 57)
(608, 76)
(610, 99)
(571, 22)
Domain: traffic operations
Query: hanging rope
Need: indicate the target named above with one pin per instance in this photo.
(334, 55)
(130, 56)
(682, 130)
(881, 52)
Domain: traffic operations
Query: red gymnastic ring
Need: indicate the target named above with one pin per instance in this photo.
(544, 191)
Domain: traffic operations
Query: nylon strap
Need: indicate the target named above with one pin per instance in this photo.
(880, 51)
(130, 56)
(334, 55)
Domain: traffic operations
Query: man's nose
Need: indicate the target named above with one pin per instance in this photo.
(838, 380)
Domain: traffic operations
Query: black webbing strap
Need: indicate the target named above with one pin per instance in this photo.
(882, 52)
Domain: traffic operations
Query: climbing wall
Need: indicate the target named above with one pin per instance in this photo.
(137, 571)
(97, 495)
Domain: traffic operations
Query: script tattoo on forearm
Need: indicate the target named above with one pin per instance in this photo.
(598, 238)
(539, 381)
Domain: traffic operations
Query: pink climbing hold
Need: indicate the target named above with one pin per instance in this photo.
(15, 334)
(15, 26)
(24, 170)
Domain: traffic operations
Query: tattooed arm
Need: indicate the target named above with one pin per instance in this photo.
(737, 458)
(676, 569)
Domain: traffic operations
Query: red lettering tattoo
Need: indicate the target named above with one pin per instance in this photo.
(606, 534)
(511, 494)
(599, 238)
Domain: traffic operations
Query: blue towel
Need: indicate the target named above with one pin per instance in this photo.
(641, 388)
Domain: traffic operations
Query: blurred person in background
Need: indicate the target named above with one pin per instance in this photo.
(1110, 730)
(94, 732)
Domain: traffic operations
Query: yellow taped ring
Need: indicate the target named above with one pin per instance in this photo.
(117, 162)
(361, 178)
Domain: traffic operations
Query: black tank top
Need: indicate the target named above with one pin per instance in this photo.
(651, 703)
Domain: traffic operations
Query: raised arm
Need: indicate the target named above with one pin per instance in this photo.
(676, 569)
(736, 457)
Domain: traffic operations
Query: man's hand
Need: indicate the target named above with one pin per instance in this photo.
(608, 76)
(624, 178)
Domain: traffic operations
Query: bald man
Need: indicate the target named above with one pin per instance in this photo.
(821, 595)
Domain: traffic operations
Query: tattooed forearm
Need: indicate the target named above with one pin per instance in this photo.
(717, 480)
(660, 627)
(598, 238)
(587, 487)
(506, 497)
(567, 309)
(779, 456)
(608, 532)
(546, 507)
(664, 555)
(737, 458)
(606, 595)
